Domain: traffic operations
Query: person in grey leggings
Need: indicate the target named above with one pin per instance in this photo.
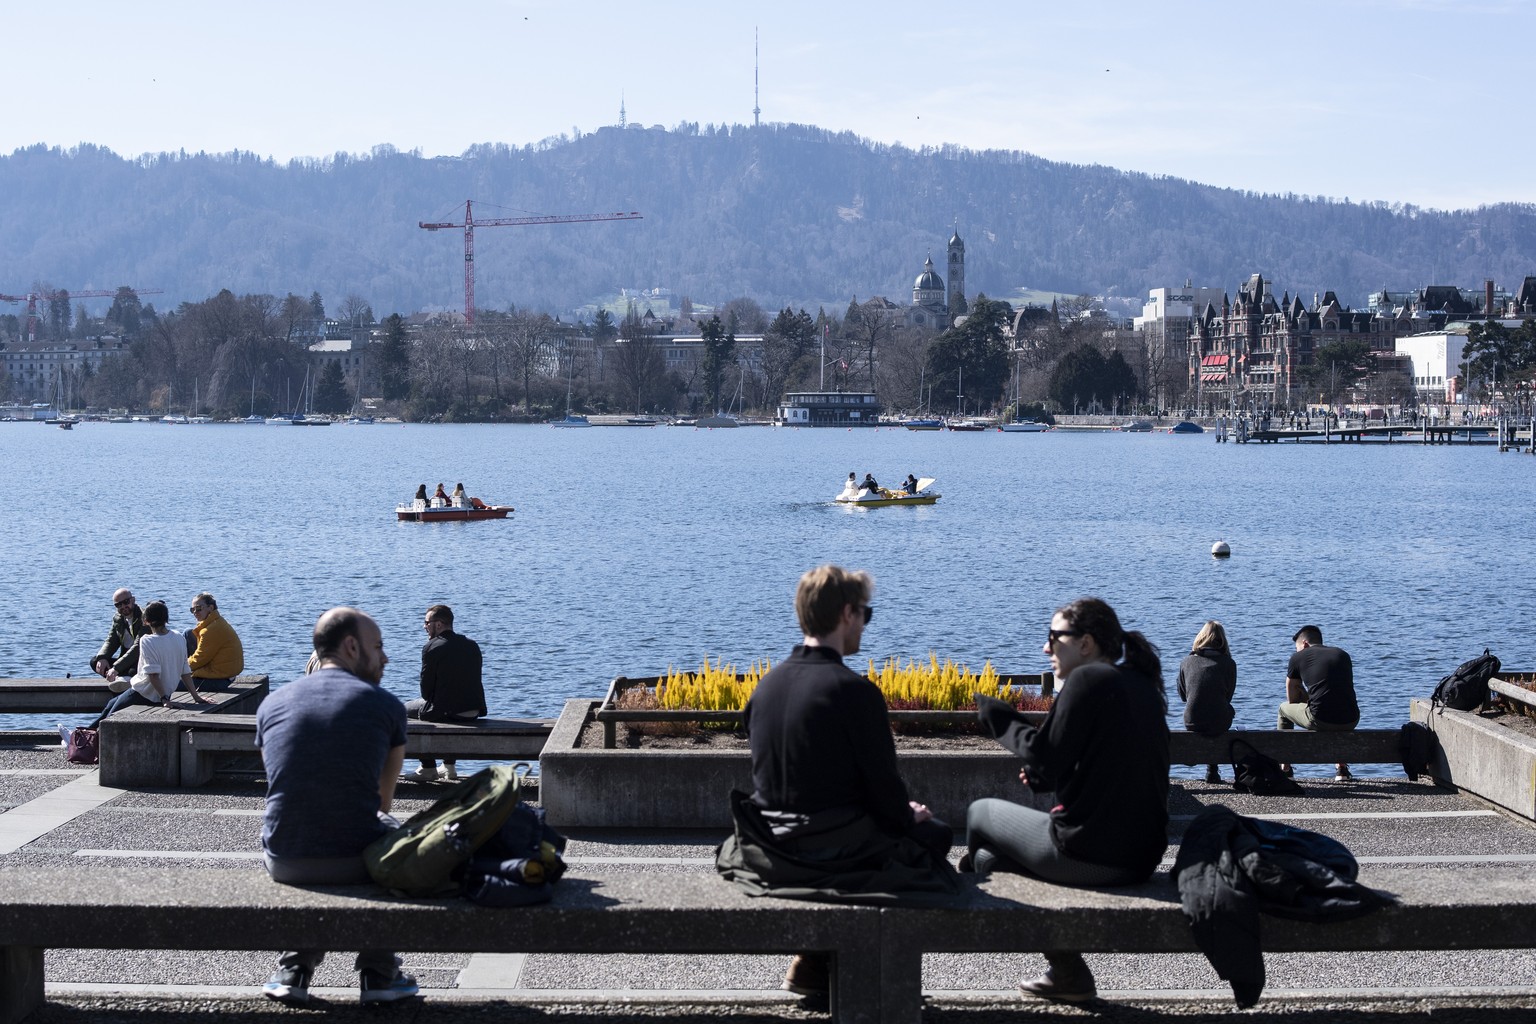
(1103, 751)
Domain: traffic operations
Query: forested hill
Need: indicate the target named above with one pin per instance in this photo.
(784, 214)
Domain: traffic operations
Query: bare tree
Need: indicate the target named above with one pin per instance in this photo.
(900, 377)
(530, 348)
(637, 360)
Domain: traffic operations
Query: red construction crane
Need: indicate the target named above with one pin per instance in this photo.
(31, 300)
(469, 224)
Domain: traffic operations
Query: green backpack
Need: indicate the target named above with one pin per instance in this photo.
(421, 856)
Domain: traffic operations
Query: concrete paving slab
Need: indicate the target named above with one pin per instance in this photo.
(37, 817)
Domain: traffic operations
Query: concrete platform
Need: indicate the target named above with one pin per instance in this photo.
(209, 835)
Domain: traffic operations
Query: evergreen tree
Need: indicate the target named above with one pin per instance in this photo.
(973, 355)
(331, 395)
(719, 352)
(316, 307)
(1084, 380)
(125, 314)
(394, 360)
(603, 329)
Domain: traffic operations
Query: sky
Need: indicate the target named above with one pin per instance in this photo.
(1404, 101)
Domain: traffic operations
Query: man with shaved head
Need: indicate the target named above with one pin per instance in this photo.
(120, 650)
(333, 742)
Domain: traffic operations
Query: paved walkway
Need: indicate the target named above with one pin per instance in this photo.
(51, 813)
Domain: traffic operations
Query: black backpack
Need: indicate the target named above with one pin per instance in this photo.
(1257, 773)
(1466, 689)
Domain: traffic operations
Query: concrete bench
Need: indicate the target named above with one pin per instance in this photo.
(877, 973)
(1437, 910)
(90, 694)
(87, 695)
(1293, 746)
(205, 740)
(133, 741)
(154, 907)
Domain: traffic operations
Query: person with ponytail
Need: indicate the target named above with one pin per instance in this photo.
(1103, 750)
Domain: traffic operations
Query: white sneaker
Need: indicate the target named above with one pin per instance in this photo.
(422, 775)
(451, 772)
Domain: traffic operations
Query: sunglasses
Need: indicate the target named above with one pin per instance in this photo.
(869, 613)
(124, 603)
(1052, 635)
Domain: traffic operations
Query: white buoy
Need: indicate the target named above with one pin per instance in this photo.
(1221, 549)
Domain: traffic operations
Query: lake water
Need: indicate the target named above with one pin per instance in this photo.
(633, 549)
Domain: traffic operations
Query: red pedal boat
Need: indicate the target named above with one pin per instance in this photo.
(450, 514)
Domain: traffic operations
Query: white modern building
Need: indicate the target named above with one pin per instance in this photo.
(1163, 328)
(1437, 359)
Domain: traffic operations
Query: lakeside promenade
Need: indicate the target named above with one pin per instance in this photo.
(53, 814)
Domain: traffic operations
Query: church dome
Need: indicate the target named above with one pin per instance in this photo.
(929, 279)
(954, 239)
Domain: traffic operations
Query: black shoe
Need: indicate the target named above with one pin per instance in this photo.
(1212, 773)
(1069, 989)
(290, 986)
(809, 975)
(383, 988)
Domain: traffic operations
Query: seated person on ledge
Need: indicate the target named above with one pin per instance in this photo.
(1102, 750)
(1319, 690)
(120, 651)
(162, 667)
(214, 652)
(829, 816)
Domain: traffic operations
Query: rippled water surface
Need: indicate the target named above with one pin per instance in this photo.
(635, 549)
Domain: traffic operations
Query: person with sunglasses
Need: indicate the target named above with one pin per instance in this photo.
(1103, 750)
(829, 812)
(119, 653)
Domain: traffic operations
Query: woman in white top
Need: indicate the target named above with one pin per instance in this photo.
(162, 667)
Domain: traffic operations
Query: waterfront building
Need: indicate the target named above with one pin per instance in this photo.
(1439, 357)
(1252, 352)
(56, 370)
(829, 409)
(1162, 330)
(350, 352)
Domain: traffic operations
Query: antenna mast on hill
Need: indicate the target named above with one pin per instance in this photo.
(756, 106)
(469, 224)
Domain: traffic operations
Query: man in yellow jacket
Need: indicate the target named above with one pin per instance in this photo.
(214, 651)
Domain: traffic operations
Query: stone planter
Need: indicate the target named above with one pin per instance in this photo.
(1482, 756)
(598, 786)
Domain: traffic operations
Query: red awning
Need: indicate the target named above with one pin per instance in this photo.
(1213, 361)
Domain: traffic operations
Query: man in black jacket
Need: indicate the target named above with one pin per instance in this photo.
(451, 687)
(829, 816)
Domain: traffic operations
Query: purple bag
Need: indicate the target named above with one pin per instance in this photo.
(82, 747)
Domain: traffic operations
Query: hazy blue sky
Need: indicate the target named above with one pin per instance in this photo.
(1419, 101)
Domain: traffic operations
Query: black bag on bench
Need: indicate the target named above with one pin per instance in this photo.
(1259, 774)
(1466, 689)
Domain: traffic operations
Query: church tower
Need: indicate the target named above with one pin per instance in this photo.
(957, 304)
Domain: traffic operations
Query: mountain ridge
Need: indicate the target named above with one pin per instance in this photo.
(785, 214)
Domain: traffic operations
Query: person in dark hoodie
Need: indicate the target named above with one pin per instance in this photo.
(1103, 750)
(1207, 680)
